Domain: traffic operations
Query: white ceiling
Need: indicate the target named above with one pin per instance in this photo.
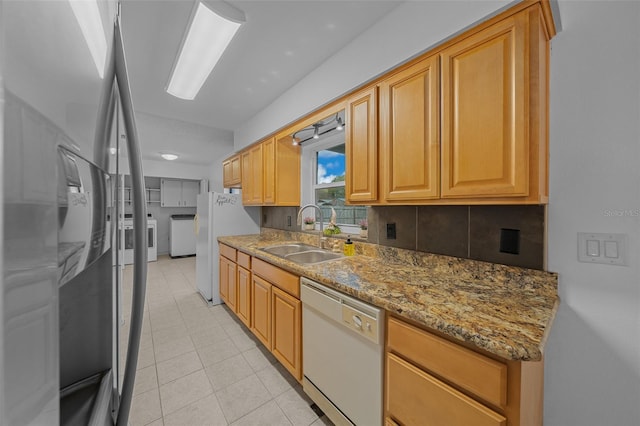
(280, 43)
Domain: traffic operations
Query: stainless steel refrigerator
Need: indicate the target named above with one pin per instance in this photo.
(66, 118)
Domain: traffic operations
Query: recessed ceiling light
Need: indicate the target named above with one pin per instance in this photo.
(113, 151)
(88, 16)
(208, 35)
(169, 157)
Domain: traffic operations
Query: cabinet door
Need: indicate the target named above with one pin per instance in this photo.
(286, 330)
(170, 193)
(231, 176)
(261, 310)
(232, 295)
(409, 133)
(190, 190)
(246, 178)
(411, 394)
(485, 150)
(287, 172)
(268, 167)
(256, 175)
(227, 174)
(243, 306)
(361, 145)
(224, 279)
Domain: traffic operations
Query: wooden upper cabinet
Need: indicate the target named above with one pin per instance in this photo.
(409, 133)
(269, 170)
(287, 172)
(271, 173)
(485, 88)
(231, 172)
(252, 176)
(361, 146)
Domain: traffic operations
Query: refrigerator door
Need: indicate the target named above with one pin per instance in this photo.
(50, 96)
(203, 245)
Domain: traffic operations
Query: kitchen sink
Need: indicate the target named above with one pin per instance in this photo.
(303, 254)
(313, 256)
(284, 249)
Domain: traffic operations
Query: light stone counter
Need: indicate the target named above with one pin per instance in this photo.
(504, 310)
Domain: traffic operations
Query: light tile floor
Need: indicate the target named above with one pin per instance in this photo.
(199, 365)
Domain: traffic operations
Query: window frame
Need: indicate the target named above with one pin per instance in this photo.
(309, 186)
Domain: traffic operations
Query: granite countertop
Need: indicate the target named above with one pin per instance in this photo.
(504, 310)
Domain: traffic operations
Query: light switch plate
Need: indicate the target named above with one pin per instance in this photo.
(610, 249)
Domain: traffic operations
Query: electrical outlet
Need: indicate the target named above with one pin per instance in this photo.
(391, 231)
(510, 241)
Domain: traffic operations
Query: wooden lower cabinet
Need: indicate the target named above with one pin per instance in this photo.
(228, 282)
(243, 307)
(416, 397)
(431, 380)
(286, 329)
(261, 310)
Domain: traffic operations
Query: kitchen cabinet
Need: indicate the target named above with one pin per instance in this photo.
(456, 386)
(409, 133)
(285, 178)
(276, 313)
(178, 193)
(252, 176)
(494, 119)
(484, 135)
(466, 123)
(286, 330)
(271, 173)
(231, 172)
(361, 146)
(243, 306)
(228, 271)
(261, 310)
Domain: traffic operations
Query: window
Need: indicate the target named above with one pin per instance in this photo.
(328, 188)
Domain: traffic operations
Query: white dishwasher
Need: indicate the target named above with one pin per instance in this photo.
(343, 353)
(182, 236)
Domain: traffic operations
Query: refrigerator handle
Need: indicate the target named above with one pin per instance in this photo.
(139, 228)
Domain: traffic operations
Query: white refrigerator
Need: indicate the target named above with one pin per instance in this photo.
(219, 214)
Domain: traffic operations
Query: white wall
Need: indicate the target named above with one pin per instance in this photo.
(593, 353)
(408, 30)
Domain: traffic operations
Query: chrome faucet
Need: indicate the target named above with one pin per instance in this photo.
(317, 208)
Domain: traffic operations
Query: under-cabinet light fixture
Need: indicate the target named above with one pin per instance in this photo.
(208, 35)
(169, 157)
(88, 16)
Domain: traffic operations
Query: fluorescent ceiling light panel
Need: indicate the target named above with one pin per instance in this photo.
(207, 38)
(169, 157)
(88, 16)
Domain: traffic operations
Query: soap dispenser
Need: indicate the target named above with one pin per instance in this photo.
(349, 248)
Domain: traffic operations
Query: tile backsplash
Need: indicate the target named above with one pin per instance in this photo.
(472, 232)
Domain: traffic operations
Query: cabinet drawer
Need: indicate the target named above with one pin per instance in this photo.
(413, 395)
(478, 374)
(276, 276)
(228, 252)
(244, 260)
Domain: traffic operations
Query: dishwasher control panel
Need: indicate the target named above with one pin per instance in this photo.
(360, 322)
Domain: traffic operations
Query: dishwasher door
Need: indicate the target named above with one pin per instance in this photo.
(342, 355)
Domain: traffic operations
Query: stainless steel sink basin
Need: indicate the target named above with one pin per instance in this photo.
(284, 249)
(303, 254)
(312, 256)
